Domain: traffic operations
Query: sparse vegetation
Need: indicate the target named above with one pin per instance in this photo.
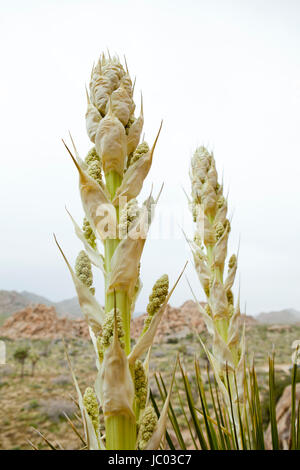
(21, 399)
(20, 355)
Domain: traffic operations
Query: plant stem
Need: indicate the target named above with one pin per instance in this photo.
(120, 433)
(120, 430)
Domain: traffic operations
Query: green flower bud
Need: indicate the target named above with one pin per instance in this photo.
(156, 299)
(147, 426)
(92, 156)
(140, 383)
(139, 151)
(219, 229)
(232, 261)
(198, 240)
(229, 295)
(91, 405)
(129, 212)
(83, 269)
(221, 201)
(94, 165)
(88, 233)
(105, 339)
(208, 310)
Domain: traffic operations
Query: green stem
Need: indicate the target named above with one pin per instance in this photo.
(120, 433)
(120, 430)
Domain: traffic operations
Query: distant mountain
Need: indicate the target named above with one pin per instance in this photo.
(35, 299)
(287, 316)
(12, 301)
(69, 308)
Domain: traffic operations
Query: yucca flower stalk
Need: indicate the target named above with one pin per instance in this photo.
(209, 248)
(110, 179)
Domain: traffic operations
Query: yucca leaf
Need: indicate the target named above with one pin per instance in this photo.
(211, 435)
(272, 404)
(171, 413)
(168, 438)
(185, 416)
(191, 405)
(231, 409)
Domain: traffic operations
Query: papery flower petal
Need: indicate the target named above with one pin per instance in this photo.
(116, 381)
(110, 143)
(218, 300)
(134, 133)
(93, 443)
(95, 257)
(93, 312)
(122, 104)
(220, 250)
(99, 211)
(126, 258)
(92, 120)
(136, 173)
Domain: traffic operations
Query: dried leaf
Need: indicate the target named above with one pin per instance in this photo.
(134, 133)
(122, 104)
(93, 443)
(201, 267)
(216, 369)
(231, 277)
(117, 387)
(218, 300)
(110, 143)
(93, 312)
(221, 351)
(134, 177)
(92, 120)
(220, 250)
(99, 211)
(94, 256)
(126, 258)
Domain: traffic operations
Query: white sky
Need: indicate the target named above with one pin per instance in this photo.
(219, 72)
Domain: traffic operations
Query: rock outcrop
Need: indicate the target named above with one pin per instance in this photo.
(176, 322)
(283, 415)
(42, 322)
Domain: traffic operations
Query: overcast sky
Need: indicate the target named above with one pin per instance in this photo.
(221, 73)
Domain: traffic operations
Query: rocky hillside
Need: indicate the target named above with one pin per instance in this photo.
(176, 322)
(41, 322)
(12, 301)
(287, 316)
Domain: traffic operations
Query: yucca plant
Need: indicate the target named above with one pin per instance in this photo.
(211, 425)
(110, 179)
(209, 248)
(227, 410)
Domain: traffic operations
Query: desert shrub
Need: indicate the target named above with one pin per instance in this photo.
(20, 355)
(172, 340)
(55, 408)
(182, 349)
(32, 405)
(61, 380)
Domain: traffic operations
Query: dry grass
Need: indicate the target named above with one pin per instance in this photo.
(35, 401)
